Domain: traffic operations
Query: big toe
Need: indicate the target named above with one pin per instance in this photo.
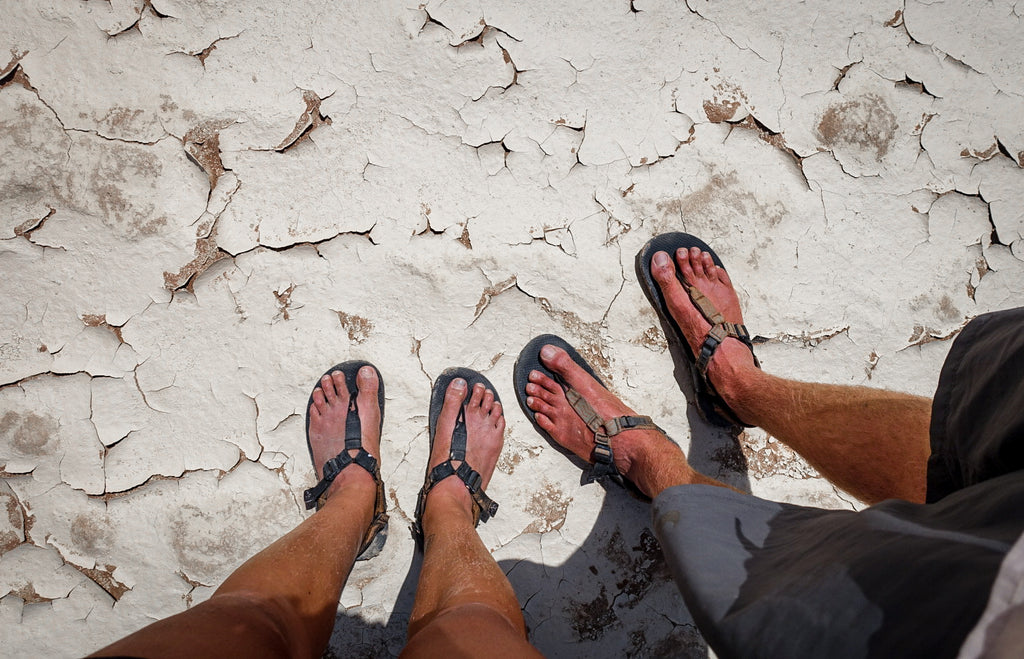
(662, 269)
(556, 359)
(368, 405)
(450, 408)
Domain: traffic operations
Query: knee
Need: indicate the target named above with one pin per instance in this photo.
(474, 627)
(263, 621)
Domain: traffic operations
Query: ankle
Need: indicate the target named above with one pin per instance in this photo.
(353, 483)
(650, 460)
(449, 499)
(736, 379)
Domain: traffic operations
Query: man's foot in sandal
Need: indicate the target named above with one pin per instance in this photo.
(467, 432)
(343, 435)
(643, 455)
(732, 362)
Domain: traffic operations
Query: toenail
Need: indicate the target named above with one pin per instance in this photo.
(459, 383)
(530, 401)
(366, 371)
(661, 259)
(547, 352)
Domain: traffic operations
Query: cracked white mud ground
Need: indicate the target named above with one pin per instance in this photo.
(203, 205)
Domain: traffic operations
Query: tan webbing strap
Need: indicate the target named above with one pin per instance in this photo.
(705, 306)
(618, 424)
(586, 412)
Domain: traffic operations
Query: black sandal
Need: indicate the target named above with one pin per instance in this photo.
(315, 496)
(710, 404)
(483, 507)
(602, 458)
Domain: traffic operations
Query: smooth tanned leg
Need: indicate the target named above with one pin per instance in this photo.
(465, 606)
(872, 443)
(282, 602)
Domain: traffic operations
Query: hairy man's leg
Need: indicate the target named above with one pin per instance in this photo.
(870, 442)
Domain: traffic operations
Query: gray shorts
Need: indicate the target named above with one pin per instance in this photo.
(766, 579)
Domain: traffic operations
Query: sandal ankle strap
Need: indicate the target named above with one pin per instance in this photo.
(314, 496)
(603, 456)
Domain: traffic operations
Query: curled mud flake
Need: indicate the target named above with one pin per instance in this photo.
(358, 328)
(16, 76)
(26, 228)
(549, 507)
(464, 238)
(100, 320)
(968, 152)
(202, 145)
(284, 302)
(104, 578)
(307, 122)
(765, 134)
(490, 292)
(808, 339)
(982, 265)
(873, 362)
(8, 69)
(896, 20)
(206, 254)
(864, 123)
(923, 335)
(203, 54)
(27, 592)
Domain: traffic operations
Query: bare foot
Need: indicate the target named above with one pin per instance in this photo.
(327, 414)
(732, 358)
(557, 418)
(485, 430)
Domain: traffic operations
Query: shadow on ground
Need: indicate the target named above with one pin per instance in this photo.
(612, 597)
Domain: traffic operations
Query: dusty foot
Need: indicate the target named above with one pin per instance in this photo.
(732, 359)
(331, 401)
(557, 418)
(485, 430)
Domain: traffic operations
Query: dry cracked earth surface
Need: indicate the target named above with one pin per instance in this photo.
(204, 204)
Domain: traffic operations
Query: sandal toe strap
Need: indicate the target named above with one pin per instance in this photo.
(603, 455)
